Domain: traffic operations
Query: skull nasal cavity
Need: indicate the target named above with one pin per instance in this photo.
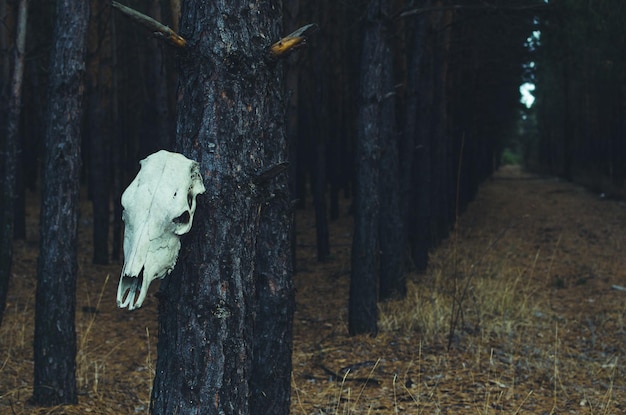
(182, 219)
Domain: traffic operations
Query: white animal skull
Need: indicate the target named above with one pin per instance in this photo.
(158, 208)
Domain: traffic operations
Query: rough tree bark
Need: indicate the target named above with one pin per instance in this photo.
(271, 366)
(55, 336)
(230, 119)
(270, 383)
(10, 156)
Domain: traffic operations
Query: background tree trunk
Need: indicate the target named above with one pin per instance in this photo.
(415, 153)
(230, 119)
(55, 336)
(19, 195)
(392, 230)
(375, 76)
(320, 134)
(100, 126)
(291, 10)
(157, 131)
(117, 152)
(10, 156)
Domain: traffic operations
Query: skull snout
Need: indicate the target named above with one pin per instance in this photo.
(130, 291)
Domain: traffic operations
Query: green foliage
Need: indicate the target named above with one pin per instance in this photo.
(510, 157)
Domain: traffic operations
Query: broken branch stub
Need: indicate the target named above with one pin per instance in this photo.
(158, 28)
(292, 41)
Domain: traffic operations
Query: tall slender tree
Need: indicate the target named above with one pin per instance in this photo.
(100, 125)
(320, 113)
(10, 156)
(291, 11)
(416, 149)
(376, 118)
(55, 336)
(392, 229)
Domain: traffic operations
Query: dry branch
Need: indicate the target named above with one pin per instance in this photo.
(292, 41)
(159, 29)
(420, 10)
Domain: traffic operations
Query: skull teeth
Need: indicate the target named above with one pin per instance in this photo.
(130, 291)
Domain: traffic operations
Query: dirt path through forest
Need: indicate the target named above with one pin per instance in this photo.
(536, 265)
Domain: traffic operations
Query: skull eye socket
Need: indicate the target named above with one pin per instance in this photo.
(183, 219)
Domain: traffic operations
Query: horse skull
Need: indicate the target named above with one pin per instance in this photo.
(159, 206)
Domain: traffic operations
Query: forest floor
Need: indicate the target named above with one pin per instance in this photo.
(521, 311)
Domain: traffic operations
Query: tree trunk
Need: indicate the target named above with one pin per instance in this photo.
(10, 156)
(392, 231)
(271, 366)
(440, 143)
(230, 119)
(270, 381)
(157, 132)
(319, 200)
(55, 336)
(321, 117)
(117, 186)
(16, 135)
(175, 12)
(416, 153)
(290, 18)
(5, 31)
(374, 86)
(100, 127)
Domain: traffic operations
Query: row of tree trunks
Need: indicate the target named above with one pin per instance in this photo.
(255, 305)
(447, 141)
(326, 109)
(578, 117)
(225, 312)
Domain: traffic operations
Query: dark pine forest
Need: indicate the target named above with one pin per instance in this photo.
(390, 112)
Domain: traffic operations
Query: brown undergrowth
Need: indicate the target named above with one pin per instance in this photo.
(520, 312)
